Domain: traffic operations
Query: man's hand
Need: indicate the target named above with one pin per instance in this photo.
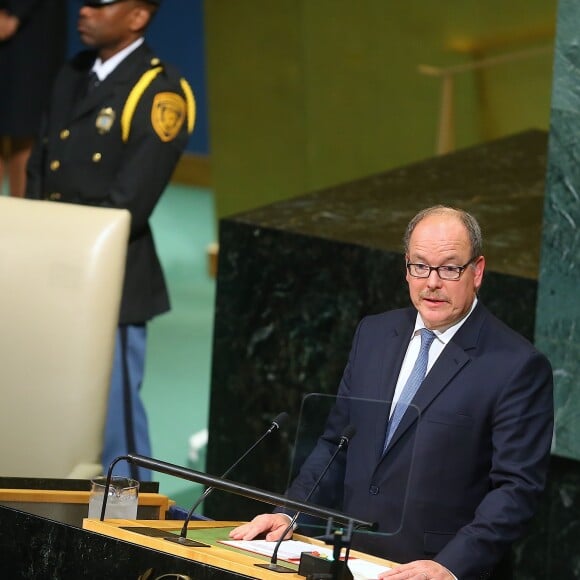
(8, 25)
(418, 570)
(273, 525)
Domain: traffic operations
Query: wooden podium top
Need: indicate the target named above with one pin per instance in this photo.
(82, 497)
(209, 532)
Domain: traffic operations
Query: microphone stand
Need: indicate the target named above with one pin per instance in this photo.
(339, 568)
(272, 565)
(231, 486)
(315, 567)
(182, 539)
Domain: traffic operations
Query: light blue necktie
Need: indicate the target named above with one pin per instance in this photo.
(412, 385)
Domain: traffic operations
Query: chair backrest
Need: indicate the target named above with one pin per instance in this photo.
(61, 276)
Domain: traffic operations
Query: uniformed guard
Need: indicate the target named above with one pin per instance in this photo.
(118, 121)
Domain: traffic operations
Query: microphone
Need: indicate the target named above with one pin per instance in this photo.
(347, 434)
(182, 539)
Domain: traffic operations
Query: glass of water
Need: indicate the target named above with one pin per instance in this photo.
(122, 498)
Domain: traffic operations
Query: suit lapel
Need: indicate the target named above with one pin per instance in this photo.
(107, 89)
(94, 99)
(69, 93)
(448, 366)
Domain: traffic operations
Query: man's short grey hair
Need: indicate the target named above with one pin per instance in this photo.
(470, 223)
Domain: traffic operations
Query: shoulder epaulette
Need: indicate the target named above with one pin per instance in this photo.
(133, 100)
(137, 92)
(190, 105)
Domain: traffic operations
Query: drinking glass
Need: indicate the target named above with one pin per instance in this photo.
(122, 498)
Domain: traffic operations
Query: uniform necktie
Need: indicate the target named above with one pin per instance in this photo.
(412, 385)
(92, 82)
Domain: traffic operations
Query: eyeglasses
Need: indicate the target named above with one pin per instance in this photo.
(444, 272)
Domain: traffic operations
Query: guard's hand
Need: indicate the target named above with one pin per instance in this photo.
(273, 525)
(418, 570)
(8, 25)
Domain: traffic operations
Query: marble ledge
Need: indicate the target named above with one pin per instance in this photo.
(500, 182)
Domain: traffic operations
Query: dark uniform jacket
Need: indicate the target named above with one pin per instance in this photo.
(117, 146)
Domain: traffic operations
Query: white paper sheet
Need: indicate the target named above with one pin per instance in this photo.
(290, 551)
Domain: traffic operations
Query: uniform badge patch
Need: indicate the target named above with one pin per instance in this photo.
(105, 120)
(168, 115)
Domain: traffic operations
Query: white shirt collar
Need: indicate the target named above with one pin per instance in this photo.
(446, 335)
(104, 69)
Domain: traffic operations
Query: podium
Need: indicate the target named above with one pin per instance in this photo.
(33, 546)
(222, 558)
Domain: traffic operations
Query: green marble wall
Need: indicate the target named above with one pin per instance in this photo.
(558, 309)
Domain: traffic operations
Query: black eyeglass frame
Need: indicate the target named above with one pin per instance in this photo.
(457, 269)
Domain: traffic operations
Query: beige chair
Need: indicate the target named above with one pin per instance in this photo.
(61, 275)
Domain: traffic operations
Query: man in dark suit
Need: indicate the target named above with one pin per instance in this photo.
(119, 119)
(454, 477)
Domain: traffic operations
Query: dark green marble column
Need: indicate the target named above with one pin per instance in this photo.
(558, 310)
(551, 548)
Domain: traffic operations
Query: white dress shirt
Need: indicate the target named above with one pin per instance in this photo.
(441, 340)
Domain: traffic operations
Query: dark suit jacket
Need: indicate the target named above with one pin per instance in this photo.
(463, 472)
(83, 159)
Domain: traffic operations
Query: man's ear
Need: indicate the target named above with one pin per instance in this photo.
(479, 267)
(141, 17)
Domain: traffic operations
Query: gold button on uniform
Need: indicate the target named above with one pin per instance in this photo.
(54, 165)
(55, 196)
(155, 61)
(64, 134)
(97, 157)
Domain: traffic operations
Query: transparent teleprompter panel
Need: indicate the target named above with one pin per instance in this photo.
(344, 462)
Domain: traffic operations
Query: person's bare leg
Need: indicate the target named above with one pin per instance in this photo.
(21, 149)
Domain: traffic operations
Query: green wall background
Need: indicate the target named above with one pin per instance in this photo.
(306, 94)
